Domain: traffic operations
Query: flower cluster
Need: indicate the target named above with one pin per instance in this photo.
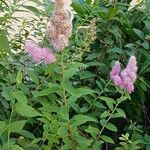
(125, 79)
(39, 54)
(59, 28)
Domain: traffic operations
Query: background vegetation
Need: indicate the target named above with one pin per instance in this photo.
(72, 104)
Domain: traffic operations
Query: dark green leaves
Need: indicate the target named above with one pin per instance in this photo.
(81, 119)
(26, 110)
(139, 33)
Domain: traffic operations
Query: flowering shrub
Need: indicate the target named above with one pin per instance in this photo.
(71, 91)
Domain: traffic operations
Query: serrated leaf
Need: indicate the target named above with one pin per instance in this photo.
(26, 110)
(16, 126)
(81, 119)
(82, 91)
(33, 76)
(93, 131)
(20, 97)
(7, 93)
(46, 92)
(70, 72)
(107, 139)
(64, 112)
(72, 99)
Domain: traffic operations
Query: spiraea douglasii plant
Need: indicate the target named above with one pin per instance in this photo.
(76, 77)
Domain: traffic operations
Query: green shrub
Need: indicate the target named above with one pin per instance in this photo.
(73, 104)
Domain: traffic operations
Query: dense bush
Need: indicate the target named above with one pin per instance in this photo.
(72, 103)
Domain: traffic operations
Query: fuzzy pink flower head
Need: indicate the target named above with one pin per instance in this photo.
(125, 79)
(39, 54)
(115, 70)
(33, 50)
(60, 43)
(118, 81)
(49, 56)
(131, 68)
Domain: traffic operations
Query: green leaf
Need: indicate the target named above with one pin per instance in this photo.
(27, 134)
(4, 44)
(115, 50)
(1, 9)
(26, 110)
(64, 112)
(107, 139)
(79, 7)
(20, 97)
(93, 131)
(70, 72)
(139, 33)
(113, 12)
(46, 92)
(109, 102)
(33, 76)
(16, 126)
(122, 99)
(121, 112)
(81, 119)
(108, 99)
(146, 45)
(82, 91)
(72, 99)
(111, 127)
(7, 93)
(105, 114)
(2, 127)
(15, 147)
(19, 77)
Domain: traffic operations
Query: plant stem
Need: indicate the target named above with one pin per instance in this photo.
(106, 122)
(63, 89)
(108, 119)
(98, 95)
(9, 122)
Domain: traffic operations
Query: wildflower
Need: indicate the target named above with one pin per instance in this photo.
(115, 75)
(59, 28)
(125, 79)
(49, 56)
(129, 74)
(39, 54)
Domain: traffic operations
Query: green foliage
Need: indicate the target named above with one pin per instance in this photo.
(72, 104)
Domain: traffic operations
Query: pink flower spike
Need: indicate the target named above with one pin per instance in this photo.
(115, 70)
(118, 81)
(125, 79)
(49, 56)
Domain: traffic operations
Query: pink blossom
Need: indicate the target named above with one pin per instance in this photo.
(39, 54)
(60, 43)
(115, 70)
(49, 56)
(125, 79)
